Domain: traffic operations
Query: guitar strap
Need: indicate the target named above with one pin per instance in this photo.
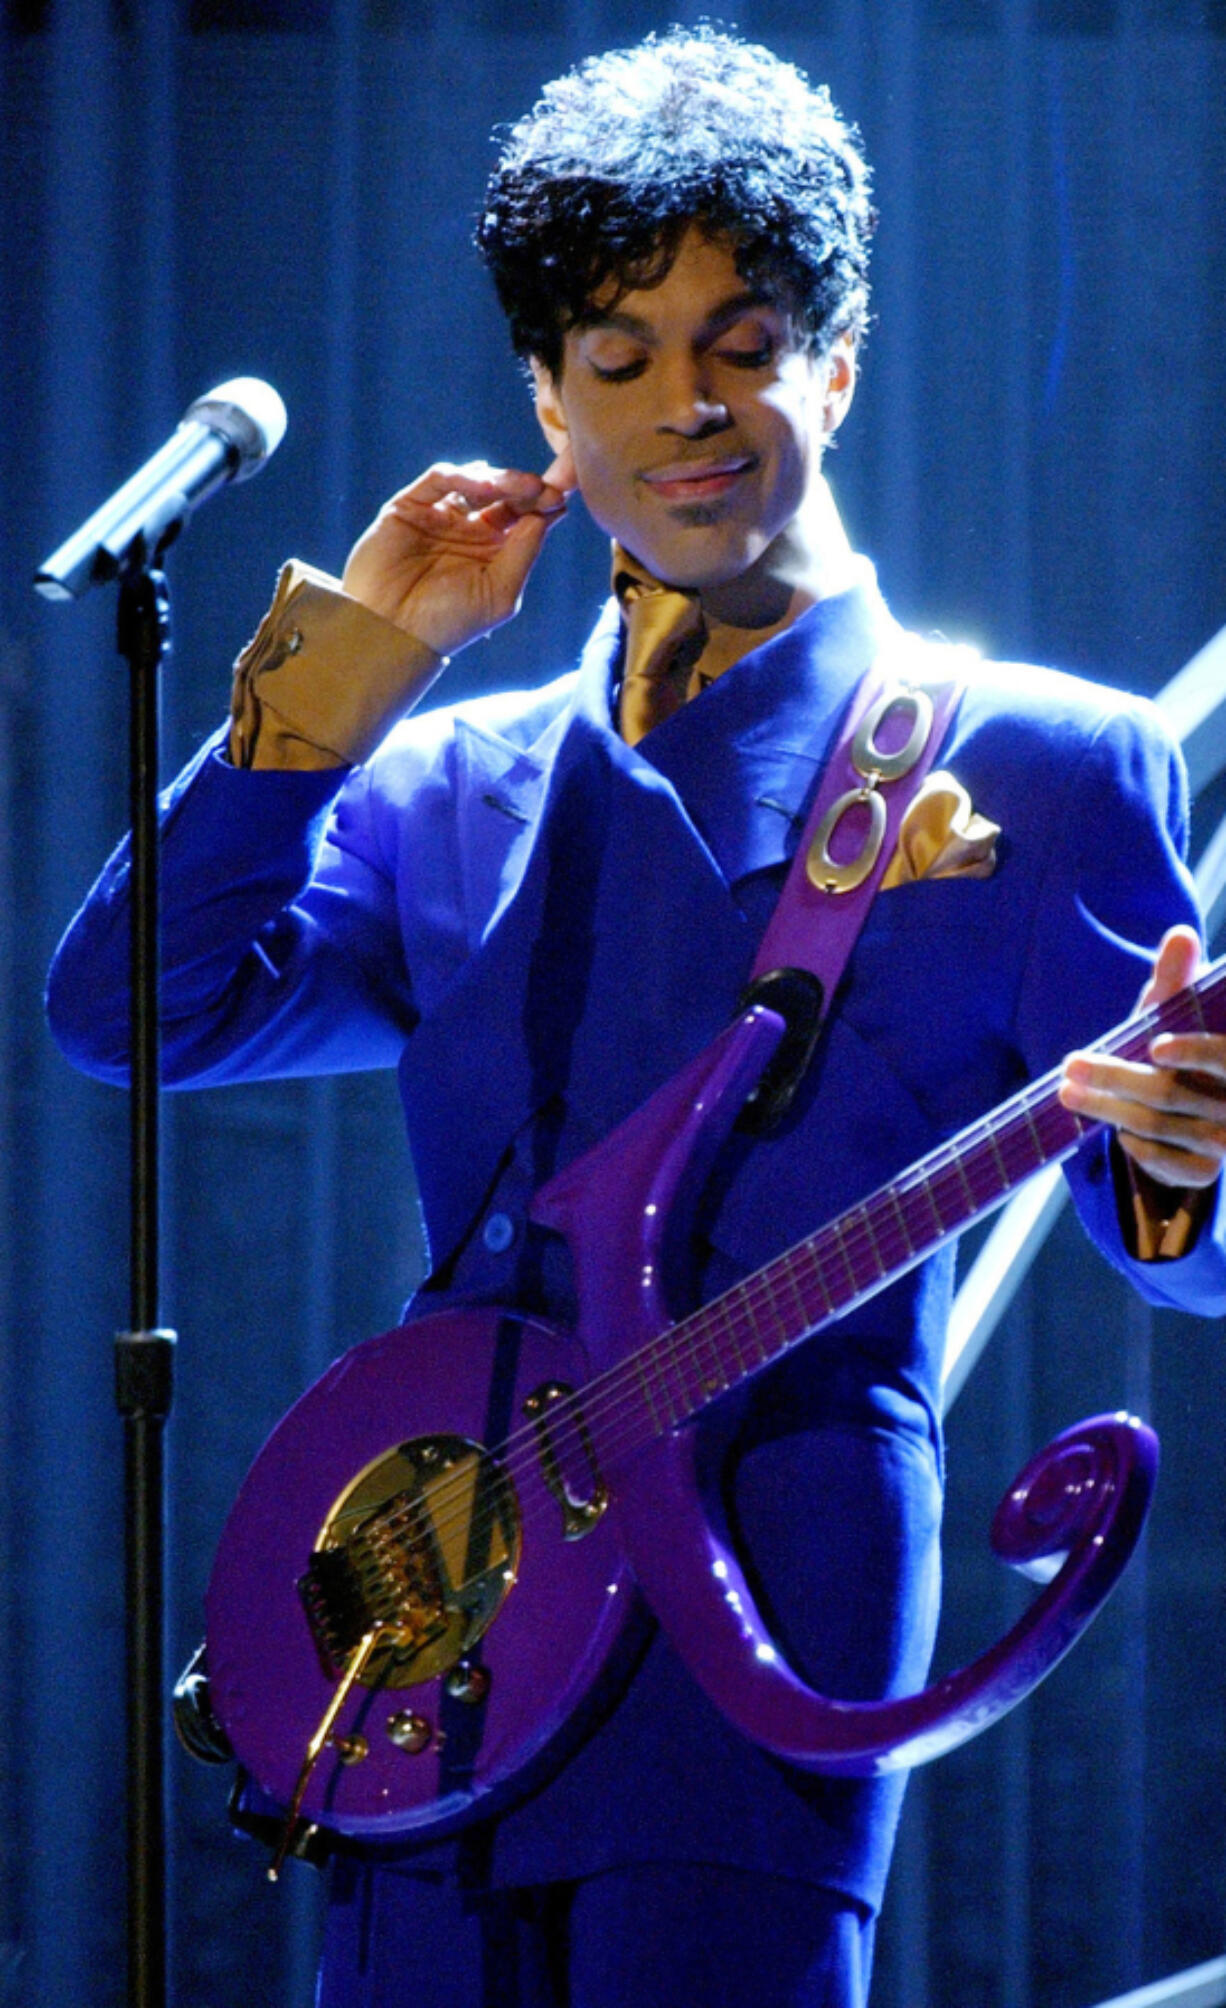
(889, 737)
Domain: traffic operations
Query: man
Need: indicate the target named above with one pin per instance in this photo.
(540, 906)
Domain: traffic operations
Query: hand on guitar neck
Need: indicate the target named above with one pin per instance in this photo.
(1168, 1112)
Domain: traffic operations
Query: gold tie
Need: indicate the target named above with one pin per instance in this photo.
(665, 632)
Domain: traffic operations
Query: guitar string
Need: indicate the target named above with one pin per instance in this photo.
(861, 1233)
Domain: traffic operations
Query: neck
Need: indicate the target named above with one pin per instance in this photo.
(809, 560)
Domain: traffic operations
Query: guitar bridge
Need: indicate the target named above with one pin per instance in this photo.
(373, 1581)
(420, 1549)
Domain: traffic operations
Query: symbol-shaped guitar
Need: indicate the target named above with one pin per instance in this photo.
(405, 1623)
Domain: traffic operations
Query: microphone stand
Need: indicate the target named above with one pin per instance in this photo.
(225, 436)
(144, 1354)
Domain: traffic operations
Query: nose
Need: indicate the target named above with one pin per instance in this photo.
(690, 405)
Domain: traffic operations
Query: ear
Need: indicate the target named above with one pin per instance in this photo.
(548, 395)
(841, 372)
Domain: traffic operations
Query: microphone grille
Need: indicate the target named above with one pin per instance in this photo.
(249, 414)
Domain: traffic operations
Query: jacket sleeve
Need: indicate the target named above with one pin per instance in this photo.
(1116, 879)
(281, 948)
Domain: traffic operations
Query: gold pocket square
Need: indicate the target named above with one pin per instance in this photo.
(942, 836)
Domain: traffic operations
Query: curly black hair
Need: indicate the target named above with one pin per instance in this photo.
(602, 178)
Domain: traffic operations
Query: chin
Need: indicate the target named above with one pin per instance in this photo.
(695, 563)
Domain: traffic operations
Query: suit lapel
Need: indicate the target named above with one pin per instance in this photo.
(724, 784)
(745, 757)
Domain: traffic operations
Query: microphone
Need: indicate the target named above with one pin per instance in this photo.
(227, 435)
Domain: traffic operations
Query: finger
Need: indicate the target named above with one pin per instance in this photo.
(503, 515)
(480, 510)
(1175, 965)
(1176, 1168)
(1179, 1090)
(467, 524)
(476, 482)
(1191, 1052)
(510, 567)
(1203, 1135)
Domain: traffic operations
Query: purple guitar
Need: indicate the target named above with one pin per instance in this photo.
(406, 1621)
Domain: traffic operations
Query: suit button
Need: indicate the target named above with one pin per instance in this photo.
(498, 1233)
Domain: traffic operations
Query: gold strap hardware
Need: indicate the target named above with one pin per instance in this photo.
(868, 759)
(828, 873)
(825, 871)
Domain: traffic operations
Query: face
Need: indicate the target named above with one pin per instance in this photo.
(696, 420)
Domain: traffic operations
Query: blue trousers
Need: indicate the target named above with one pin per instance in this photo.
(654, 1935)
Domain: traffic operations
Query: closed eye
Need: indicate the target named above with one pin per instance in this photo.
(621, 373)
(748, 359)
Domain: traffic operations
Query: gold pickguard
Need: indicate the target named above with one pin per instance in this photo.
(425, 1542)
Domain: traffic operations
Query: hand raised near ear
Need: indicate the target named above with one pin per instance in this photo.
(447, 558)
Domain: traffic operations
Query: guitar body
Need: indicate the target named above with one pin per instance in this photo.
(518, 1686)
(530, 1536)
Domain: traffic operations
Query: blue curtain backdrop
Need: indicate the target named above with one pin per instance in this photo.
(200, 190)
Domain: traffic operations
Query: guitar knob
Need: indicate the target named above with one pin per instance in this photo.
(409, 1731)
(468, 1682)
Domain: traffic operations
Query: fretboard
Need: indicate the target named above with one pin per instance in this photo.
(874, 1243)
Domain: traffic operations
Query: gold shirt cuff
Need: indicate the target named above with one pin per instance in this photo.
(1159, 1222)
(323, 679)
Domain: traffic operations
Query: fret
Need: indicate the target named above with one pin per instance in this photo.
(835, 1233)
(712, 1379)
(755, 1331)
(833, 1292)
(771, 1315)
(1021, 1146)
(704, 1386)
(904, 1229)
(641, 1362)
(1056, 1126)
(1032, 1127)
(668, 1370)
(1179, 1014)
(924, 1187)
(812, 1252)
(689, 1372)
(696, 1348)
(915, 1211)
(972, 1204)
(981, 1175)
(732, 1338)
(716, 1376)
(866, 1265)
(1003, 1169)
(945, 1202)
(788, 1277)
(883, 1267)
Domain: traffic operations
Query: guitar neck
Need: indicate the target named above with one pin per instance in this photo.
(875, 1242)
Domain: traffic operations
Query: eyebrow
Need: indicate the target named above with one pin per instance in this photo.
(720, 318)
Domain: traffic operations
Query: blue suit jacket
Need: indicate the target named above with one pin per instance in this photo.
(539, 924)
